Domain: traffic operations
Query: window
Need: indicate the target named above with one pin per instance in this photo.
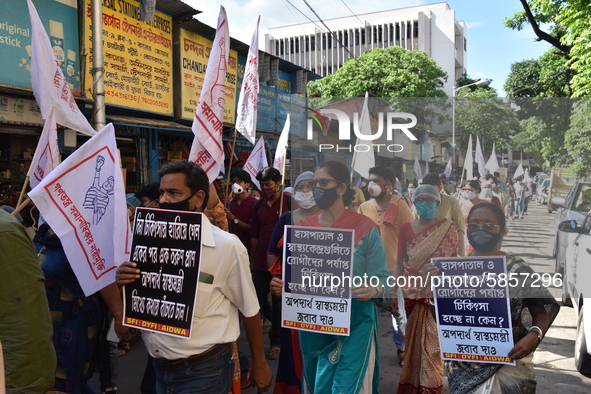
(375, 34)
(408, 30)
(276, 47)
(356, 37)
(380, 34)
(323, 41)
(397, 31)
(415, 29)
(346, 39)
(583, 198)
(282, 48)
(291, 45)
(329, 41)
(307, 44)
(363, 37)
(465, 44)
(297, 45)
(313, 43)
(391, 32)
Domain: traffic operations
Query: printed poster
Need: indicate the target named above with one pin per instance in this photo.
(316, 265)
(166, 247)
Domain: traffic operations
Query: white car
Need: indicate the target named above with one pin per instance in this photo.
(577, 287)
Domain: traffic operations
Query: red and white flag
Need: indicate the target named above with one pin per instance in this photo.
(256, 161)
(83, 200)
(281, 152)
(49, 85)
(246, 117)
(47, 154)
(207, 149)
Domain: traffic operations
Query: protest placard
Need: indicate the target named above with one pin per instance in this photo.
(166, 247)
(473, 311)
(317, 269)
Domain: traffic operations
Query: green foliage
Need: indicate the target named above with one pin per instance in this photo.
(567, 25)
(389, 72)
(578, 138)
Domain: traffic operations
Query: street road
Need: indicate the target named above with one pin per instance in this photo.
(532, 238)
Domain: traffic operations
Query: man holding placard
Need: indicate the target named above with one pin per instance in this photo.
(224, 289)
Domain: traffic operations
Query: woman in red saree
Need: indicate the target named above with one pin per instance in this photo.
(418, 242)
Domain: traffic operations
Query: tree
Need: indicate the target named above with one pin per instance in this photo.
(481, 113)
(578, 138)
(539, 89)
(568, 30)
(388, 72)
(409, 81)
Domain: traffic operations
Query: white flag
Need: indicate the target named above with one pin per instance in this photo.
(448, 168)
(256, 161)
(281, 151)
(83, 200)
(469, 161)
(363, 161)
(208, 125)
(417, 168)
(47, 154)
(519, 171)
(492, 165)
(480, 159)
(49, 85)
(246, 116)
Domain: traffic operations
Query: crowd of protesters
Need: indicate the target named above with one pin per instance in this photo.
(53, 335)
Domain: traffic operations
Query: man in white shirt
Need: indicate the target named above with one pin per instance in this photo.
(203, 363)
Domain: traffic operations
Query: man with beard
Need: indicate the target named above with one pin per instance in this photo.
(389, 211)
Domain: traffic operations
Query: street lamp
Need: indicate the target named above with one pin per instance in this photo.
(484, 81)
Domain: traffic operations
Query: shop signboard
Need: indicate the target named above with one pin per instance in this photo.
(16, 110)
(138, 57)
(60, 19)
(194, 55)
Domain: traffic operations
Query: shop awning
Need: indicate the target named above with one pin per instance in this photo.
(145, 122)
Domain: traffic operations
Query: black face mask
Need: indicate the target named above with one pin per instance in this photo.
(483, 241)
(176, 206)
(325, 197)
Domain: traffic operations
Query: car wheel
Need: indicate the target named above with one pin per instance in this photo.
(582, 358)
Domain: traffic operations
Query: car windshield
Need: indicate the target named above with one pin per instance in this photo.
(583, 198)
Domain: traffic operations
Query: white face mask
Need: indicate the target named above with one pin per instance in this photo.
(237, 189)
(487, 191)
(305, 199)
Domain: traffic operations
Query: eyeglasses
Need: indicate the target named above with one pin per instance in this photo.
(483, 226)
(425, 199)
(324, 182)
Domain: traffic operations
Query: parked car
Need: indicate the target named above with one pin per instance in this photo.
(561, 182)
(574, 206)
(577, 286)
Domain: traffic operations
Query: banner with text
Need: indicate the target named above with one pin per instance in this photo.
(194, 53)
(166, 247)
(60, 19)
(316, 265)
(473, 310)
(138, 57)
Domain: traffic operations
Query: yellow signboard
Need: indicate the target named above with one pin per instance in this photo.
(194, 53)
(138, 57)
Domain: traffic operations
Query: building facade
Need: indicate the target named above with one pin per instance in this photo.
(430, 28)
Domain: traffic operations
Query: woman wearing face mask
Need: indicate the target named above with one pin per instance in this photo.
(289, 368)
(487, 194)
(410, 191)
(486, 229)
(333, 363)
(418, 242)
(468, 198)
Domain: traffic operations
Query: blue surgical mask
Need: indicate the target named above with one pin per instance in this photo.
(487, 191)
(469, 195)
(426, 210)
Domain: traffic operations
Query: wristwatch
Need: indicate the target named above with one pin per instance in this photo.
(538, 331)
(236, 220)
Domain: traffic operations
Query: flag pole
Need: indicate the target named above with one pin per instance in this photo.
(230, 168)
(20, 207)
(282, 184)
(20, 197)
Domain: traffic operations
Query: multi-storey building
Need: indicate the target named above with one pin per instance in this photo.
(430, 28)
